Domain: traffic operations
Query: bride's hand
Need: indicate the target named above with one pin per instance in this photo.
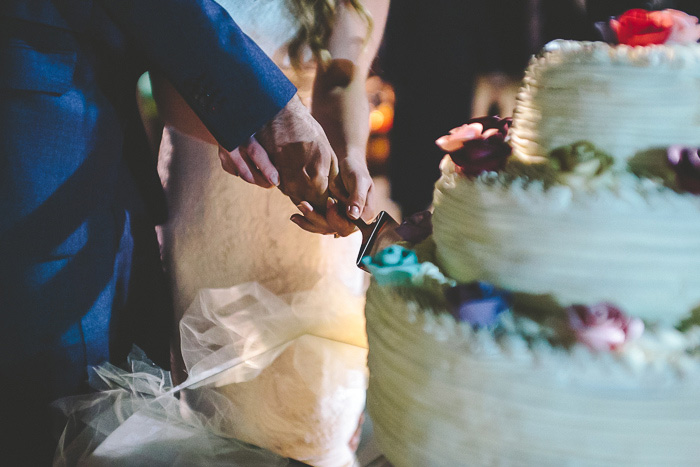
(251, 162)
(331, 221)
(338, 215)
(354, 187)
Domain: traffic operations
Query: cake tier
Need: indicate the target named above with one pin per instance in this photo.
(634, 244)
(622, 99)
(441, 394)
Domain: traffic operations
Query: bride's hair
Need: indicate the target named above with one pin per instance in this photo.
(316, 19)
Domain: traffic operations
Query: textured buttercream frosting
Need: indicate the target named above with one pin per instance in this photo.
(441, 394)
(634, 244)
(444, 394)
(619, 238)
(622, 99)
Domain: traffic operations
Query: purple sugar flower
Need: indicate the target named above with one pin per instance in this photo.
(686, 164)
(417, 227)
(478, 303)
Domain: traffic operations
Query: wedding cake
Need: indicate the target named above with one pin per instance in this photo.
(550, 317)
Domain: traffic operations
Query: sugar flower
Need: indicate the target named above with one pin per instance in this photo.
(685, 28)
(477, 303)
(392, 265)
(417, 227)
(479, 145)
(685, 162)
(399, 266)
(603, 326)
(641, 27)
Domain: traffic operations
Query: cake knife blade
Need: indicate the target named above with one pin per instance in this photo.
(376, 236)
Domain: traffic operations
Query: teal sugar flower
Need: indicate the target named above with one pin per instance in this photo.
(393, 265)
(396, 265)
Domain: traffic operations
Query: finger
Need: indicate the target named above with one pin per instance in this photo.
(317, 184)
(262, 161)
(370, 212)
(337, 188)
(315, 217)
(307, 225)
(337, 220)
(232, 162)
(258, 177)
(226, 162)
(301, 174)
(242, 166)
(358, 186)
(318, 169)
(313, 190)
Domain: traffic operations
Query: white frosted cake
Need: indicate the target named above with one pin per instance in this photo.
(550, 318)
(622, 99)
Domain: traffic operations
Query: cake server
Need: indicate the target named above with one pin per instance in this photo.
(377, 235)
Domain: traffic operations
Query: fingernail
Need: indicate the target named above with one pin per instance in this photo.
(274, 179)
(305, 206)
(354, 212)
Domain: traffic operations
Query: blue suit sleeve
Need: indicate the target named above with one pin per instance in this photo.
(222, 74)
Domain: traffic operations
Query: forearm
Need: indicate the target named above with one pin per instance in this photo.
(343, 109)
(175, 112)
(232, 86)
(339, 97)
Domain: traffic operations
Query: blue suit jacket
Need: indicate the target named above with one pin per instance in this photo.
(80, 279)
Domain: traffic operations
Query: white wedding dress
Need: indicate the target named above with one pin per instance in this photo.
(283, 308)
(224, 231)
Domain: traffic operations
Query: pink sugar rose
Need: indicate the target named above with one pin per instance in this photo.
(684, 29)
(603, 326)
(458, 136)
(479, 145)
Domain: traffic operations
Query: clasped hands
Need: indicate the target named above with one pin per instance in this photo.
(292, 152)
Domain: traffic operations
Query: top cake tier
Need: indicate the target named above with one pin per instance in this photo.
(622, 99)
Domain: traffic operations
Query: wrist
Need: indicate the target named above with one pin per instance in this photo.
(352, 153)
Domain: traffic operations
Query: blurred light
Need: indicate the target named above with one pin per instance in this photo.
(378, 150)
(387, 111)
(376, 120)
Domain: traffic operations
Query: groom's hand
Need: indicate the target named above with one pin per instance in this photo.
(250, 162)
(301, 153)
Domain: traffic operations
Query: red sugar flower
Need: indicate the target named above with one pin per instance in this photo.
(642, 27)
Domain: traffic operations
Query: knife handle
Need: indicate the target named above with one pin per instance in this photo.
(365, 228)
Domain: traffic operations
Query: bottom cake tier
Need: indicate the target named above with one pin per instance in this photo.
(444, 393)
